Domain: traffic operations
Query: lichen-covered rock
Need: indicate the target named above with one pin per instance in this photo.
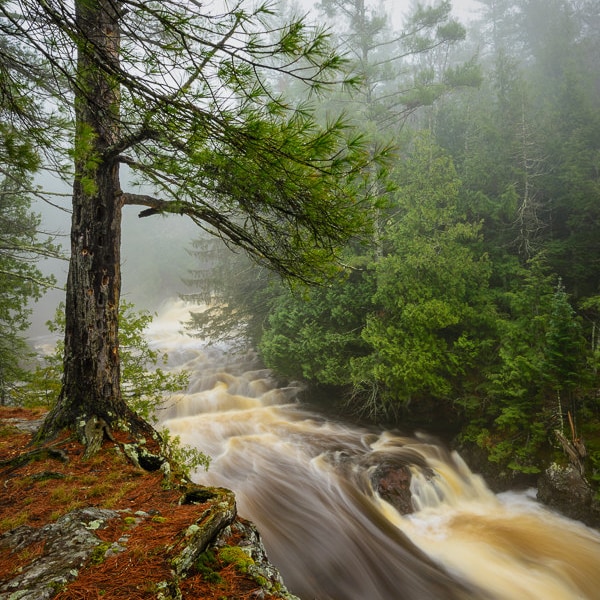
(26, 425)
(261, 570)
(220, 512)
(59, 551)
(68, 544)
(142, 458)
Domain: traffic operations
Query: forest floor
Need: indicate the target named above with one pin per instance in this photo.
(40, 491)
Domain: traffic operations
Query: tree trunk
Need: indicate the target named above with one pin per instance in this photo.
(90, 400)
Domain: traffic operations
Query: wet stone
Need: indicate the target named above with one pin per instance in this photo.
(392, 483)
(567, 490)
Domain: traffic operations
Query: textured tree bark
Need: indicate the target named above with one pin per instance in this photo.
(90, 400)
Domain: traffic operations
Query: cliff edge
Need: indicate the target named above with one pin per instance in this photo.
(72, 528)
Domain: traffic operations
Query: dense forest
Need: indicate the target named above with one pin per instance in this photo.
(471, 304)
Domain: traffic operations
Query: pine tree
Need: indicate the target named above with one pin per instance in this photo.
(21, 246)
(182, 96)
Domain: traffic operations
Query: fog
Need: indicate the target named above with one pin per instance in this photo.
(154, 255)
(399, 9)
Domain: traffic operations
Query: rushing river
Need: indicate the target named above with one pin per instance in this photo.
(305, 480)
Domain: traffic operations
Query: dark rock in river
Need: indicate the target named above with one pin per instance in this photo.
(392, 483)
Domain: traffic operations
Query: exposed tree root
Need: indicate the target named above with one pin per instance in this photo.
(38, 454)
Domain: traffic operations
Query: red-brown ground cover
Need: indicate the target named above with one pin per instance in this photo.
(41, 490)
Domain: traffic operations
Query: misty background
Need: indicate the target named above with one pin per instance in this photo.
(155, 254)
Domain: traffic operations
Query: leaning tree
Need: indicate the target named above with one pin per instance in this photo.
(184, 98)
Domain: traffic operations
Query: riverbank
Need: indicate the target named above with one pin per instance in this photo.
(562, 480)
(135, 537)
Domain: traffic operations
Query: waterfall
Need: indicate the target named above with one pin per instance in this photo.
(307, 482)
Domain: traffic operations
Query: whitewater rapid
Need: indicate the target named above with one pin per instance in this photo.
(305, 480)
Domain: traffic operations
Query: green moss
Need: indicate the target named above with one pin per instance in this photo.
(158, 519)
(207, 558)
(234, 555)
(98, 553)
(205, 566)
(56, 586)
(212, 577)
(262, 581)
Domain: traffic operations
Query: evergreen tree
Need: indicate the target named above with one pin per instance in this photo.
(564, 360)
(315, 334)
(410, 326)
(21, 246)
(234, 294)
(401, 71)
(20, 282)
(182, 95)
(433, 317)
(535, 384)
(523, 146)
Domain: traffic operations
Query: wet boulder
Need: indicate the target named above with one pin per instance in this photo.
(392, 482)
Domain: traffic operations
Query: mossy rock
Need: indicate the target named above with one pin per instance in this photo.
(234, 555)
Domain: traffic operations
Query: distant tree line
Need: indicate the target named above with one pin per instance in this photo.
(475, 300)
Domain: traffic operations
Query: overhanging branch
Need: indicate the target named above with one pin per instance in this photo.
(201, 215)
(265, 246)
(156, 205)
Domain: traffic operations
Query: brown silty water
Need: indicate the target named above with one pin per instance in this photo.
(306, 481)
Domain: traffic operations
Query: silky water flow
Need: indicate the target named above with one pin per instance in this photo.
(305, 481)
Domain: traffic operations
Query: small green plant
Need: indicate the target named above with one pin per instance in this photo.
(14, 521)
(144, 384)
(98, 490)
(62, 494)
(119, 492)
(7, 431)
(184, 457)
(206, 564)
